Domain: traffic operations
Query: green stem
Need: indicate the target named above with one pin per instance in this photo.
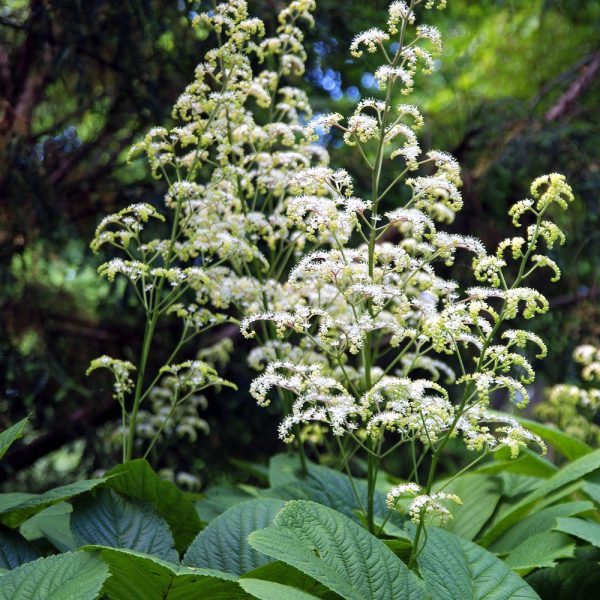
(148, 335)
(372, 464)
(464, 470)
(349, 473)
(151, 321)
(367, 353)
(160, 430)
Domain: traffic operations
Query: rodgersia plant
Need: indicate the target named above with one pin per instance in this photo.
(573, 407)
(379, 347)
(227, 166)
(365, 339)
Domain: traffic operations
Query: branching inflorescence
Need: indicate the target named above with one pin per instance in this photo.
(379, 347)
(228, 164)
(364, 337)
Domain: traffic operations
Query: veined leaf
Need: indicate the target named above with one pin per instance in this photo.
(279, 572)
(69, 576)
(108, 519)
(15, 550)
(137, 480)
(218, 499)
(571, 580)
(528, 463)
(13, 514)
(252, 468)
(283, 469)
(136, 576)
(568, 446)
(480, 495)
(541, 550)
(54, 524)
(269, 590)
(586, 530)
(569, 474)
(10, 435)
(337, 552)
(538, 522)
(11, 499)
(330, 488)
(456, 568)
(223, 544)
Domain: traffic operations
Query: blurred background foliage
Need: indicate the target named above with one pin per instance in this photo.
(517, 95)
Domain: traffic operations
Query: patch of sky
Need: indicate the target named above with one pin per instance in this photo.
(328, 79)
(368, 81)
(67, 140)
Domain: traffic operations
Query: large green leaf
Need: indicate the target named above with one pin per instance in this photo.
(328, 487)
(137, 480)
(539, 521)
(573, 472)
(53, 524)
(568, 446)
(69, 576)
(454, 568)
(337, 552)
(15, 513)
(514, 485)
(528, 463)
(223, 545)
(136, 576)
(541, 550)
(15, 550)
(269, 590)
(109, 519)
(284, 469)
(586, 530)
(571, 580)
(218, 499)
(480, 495)
(254, 469)
(10, 435)
(279, 572)
(11, 499)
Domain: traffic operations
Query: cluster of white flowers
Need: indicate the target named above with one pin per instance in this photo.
(237, 147)
(322, 218)
(423, 507)
(359, 298)
(319, 397)
(235, 219)
(182, 420)
(121, 370)
(588, 355)
(123, 227)
(573, 407)
(191, 376)
(359, 332)
(372, 39)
